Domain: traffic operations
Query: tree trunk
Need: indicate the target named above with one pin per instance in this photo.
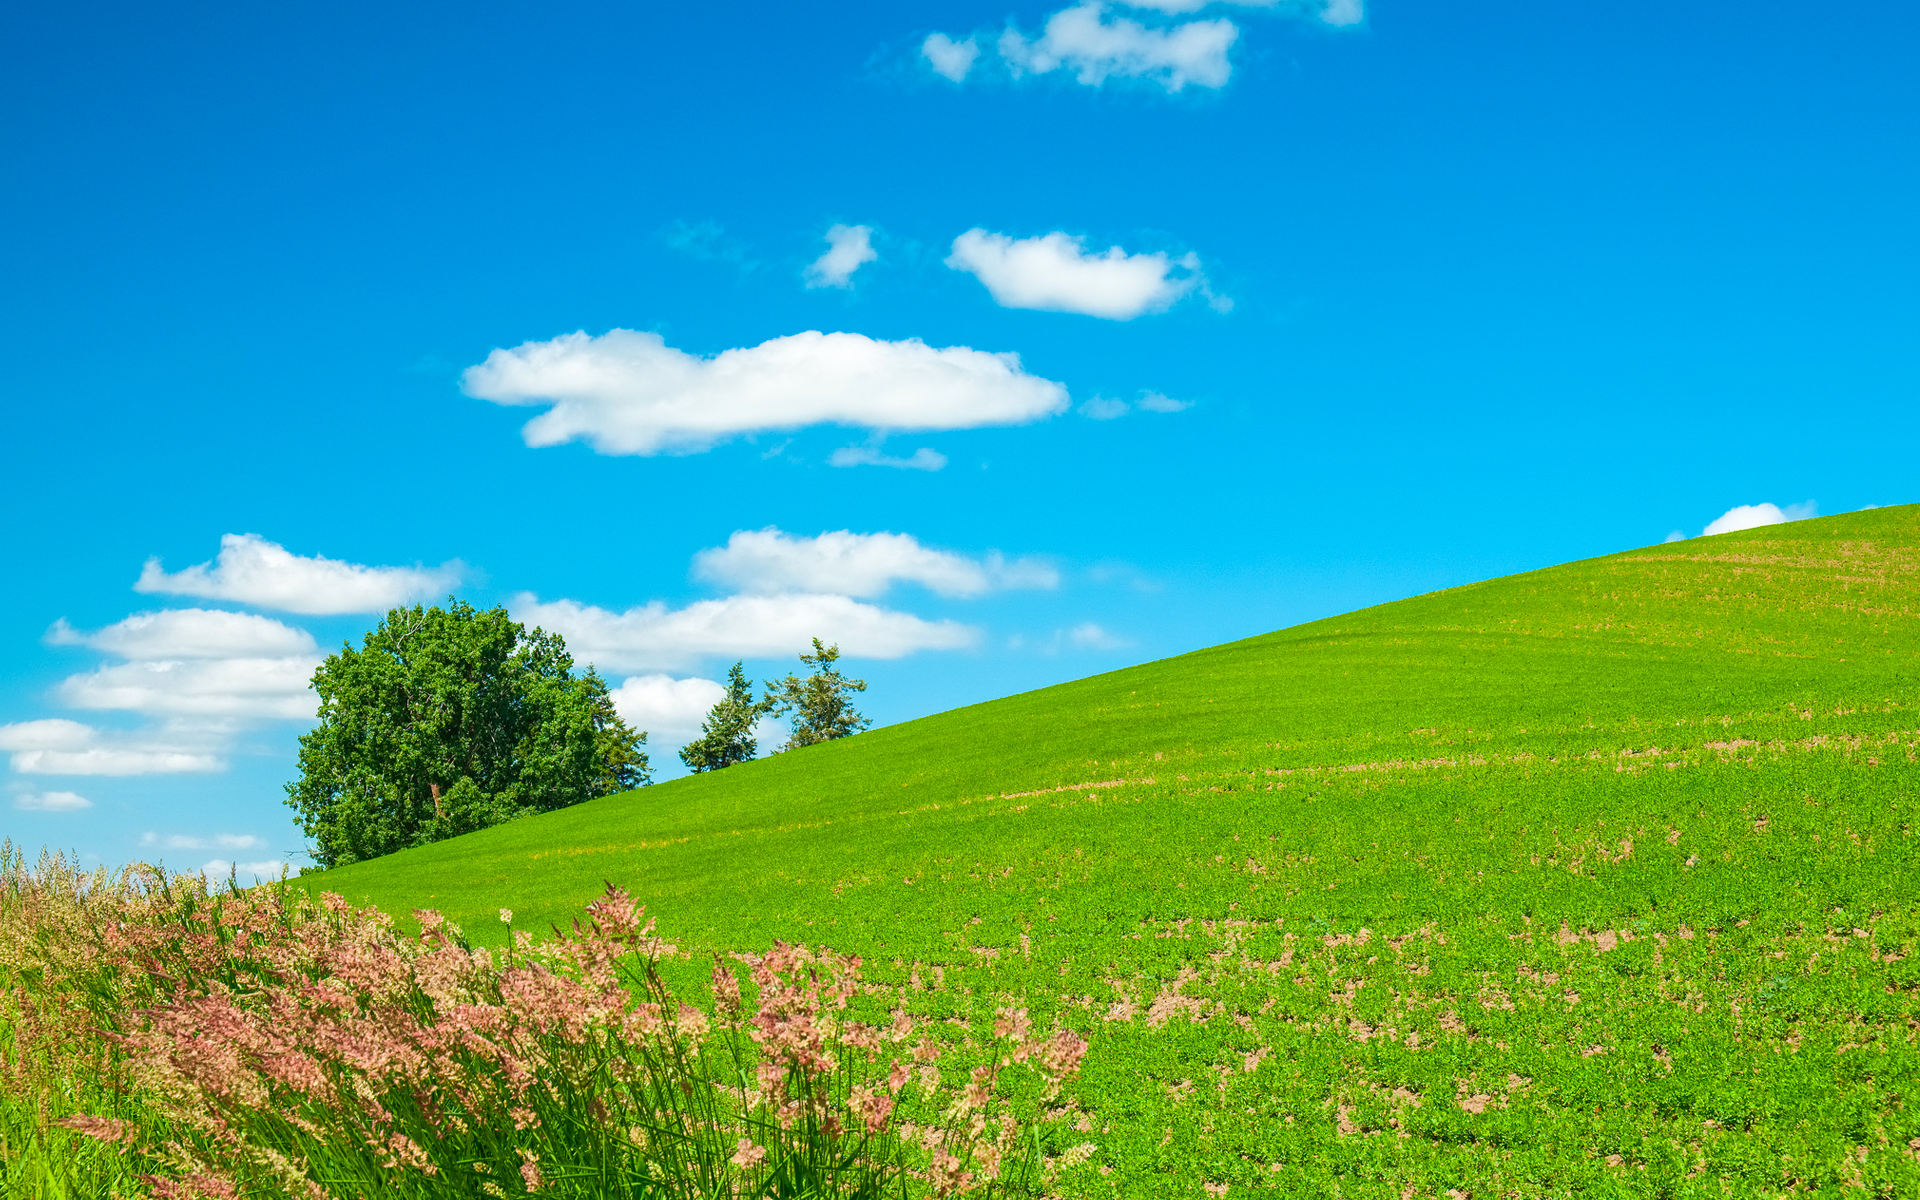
(437, 810)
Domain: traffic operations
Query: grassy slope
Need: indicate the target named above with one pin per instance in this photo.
(1714, 738)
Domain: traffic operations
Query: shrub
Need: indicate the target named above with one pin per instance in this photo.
(268, 1044)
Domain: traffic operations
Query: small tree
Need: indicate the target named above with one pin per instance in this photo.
(727, 736)
(448, 720)
(820, 706)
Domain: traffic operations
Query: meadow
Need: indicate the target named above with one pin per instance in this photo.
(1599, 880)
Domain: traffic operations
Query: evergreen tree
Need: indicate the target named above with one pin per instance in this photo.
(447, 720)
(727, 736)
(820, 707)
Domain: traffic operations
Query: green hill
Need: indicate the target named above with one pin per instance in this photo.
(1595, 880)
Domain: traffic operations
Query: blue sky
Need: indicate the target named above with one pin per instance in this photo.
(1404, 296)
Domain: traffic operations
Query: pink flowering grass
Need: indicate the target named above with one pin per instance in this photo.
(264, 1043)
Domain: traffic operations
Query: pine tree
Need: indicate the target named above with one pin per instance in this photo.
(820, 706)
(727, 736)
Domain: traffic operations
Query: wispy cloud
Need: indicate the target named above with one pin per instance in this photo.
(848, 247)
(252, 570)
(626, 392)
(1094, 44)
(950, 57)
(1106, 408)
(708, 241)
(861, 564)
(217, 841)
(923, 459)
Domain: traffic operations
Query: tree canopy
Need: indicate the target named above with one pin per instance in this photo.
(727, 737)
(447, 720)
(819, 707)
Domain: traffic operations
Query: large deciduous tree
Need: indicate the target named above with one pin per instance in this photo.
(727, 737)
(447, 720)
(819, 707)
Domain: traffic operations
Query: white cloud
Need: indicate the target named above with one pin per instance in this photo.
(252, 570)
(1092, 637)
(51, 802)
(1342, 13)
(922, 459)
(654, 637)
(1331, 12)
(860, 564)
(1097, 49)
(219, 871)
(190, 633)
(61, 747)
(670, 710)
(1054, 272)
(626, 392)
(1103, 408)
(218, 841)
(1154, 402)
(1675, 536)
(1753, 516)
(222, 687)
(948, 57)
(848, 246)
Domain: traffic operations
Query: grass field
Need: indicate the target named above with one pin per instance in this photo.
(1599, 880)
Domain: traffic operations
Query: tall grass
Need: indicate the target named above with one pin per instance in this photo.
(164, 1039)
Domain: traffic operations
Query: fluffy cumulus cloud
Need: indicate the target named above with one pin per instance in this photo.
(626, 392)
(50, 802)
(60, 747)
(1753, 516)
(196, 662)
(845, 563)
(654, 637)
(670, 710)
(1055, 272)
(190, 633)
(223, 687)
(252, 570)
(848, 247)
(1096, 47)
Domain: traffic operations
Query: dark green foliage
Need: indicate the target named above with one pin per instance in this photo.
(820, 706)
(448, 720)
(727, 736)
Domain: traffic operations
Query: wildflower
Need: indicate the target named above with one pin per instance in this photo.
(898, 1077)
(105, 1129)
(872, 1109)
(1012, 1024)
(747, 1155)
(726, 992)
(506, 916)
(946, 1174)
(530, 1171)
